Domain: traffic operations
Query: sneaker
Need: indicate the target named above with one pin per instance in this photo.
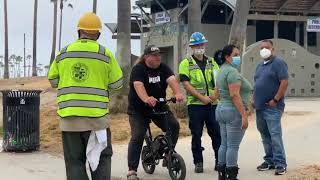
(198, 168)
(280, 171)
(132, 176)
(265, 166)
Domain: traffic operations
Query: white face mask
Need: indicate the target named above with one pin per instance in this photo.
(199, 51)
(265, 53)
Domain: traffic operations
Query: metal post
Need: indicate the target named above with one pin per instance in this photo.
(305, 35)
(276, 30)
(298, 32)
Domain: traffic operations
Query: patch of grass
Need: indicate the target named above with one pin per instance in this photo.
(1, 131)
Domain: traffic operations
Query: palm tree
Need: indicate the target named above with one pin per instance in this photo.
(35, 17)
(124, 32)
(18, 62)
(6, 59)
(29, 57)
(61, 9)
(12, 60)
(94, 9)
(124, 38)
(46, 68)
(54, 31)
(1, 65)
(239, 24)
(39, 69)
(12, 70)
(194, 16)
(1, 68)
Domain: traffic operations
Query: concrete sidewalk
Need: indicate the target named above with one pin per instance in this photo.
(301, 137)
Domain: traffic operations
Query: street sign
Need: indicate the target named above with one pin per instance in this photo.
(162, 17)
(313, 24)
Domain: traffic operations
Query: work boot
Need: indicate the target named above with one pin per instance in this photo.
(221, 172)
(216, 151)
(232, 173)
(216, 165)
(198, 168)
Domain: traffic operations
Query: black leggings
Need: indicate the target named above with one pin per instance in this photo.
(139, 123)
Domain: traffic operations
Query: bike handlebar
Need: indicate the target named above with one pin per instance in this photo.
(163, 100)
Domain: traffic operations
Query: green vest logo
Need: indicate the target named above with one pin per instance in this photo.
(79, 72)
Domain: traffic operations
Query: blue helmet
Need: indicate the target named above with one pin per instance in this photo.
(197, 38)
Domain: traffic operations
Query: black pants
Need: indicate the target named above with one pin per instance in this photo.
(74, 147)
(139, 123)
(198, 115)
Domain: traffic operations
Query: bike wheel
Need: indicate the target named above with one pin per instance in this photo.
(177, 167)
(148, 163)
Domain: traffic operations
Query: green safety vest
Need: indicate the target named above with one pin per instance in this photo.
(83, 72)
(204, 85)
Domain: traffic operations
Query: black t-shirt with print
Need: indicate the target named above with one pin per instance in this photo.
(155, 83)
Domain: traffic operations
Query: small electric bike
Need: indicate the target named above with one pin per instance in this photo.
(161, 147)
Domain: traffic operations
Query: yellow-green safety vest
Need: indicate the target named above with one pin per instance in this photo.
(84, 72)
(204, 86)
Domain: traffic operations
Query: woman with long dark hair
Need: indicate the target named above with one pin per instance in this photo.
(231, 113)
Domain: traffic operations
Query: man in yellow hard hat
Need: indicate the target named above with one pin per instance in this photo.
(84, 72)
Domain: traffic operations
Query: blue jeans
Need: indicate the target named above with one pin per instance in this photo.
(269, 126)
(198, 115)
(230, 122)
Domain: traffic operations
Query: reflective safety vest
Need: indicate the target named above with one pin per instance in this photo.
(83, 72)
(204, 83)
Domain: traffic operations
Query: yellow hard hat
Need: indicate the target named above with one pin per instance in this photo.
(90, 22)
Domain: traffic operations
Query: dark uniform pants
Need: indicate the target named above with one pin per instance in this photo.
(74, 147)
(198, 116)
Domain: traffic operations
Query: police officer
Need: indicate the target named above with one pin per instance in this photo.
(84, 72)
(197, 74)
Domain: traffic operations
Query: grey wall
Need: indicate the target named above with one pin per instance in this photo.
(304, 77)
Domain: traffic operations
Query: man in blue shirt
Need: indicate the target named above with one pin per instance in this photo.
(270, 85)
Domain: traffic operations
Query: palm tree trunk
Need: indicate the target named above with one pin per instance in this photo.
(194, 16)
(239, 24)
(124, 32)
(95, 6)
(124, 38)
(54, 34)
(6, 54)
(61, 8)
(35, 16)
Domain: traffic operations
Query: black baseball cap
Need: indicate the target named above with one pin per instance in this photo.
(151, 49)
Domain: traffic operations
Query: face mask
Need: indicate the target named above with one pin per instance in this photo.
(236, 61)
(199, 51)
(265, 53)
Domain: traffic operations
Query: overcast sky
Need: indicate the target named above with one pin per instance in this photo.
(20, 21)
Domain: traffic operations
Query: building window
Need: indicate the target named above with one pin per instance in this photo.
(293, 75)
(302, 67)
(313, 75)
(312, 83)
(302, 91)
(293, 91)
(312, 90)
(317, 65)
(312, 39)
